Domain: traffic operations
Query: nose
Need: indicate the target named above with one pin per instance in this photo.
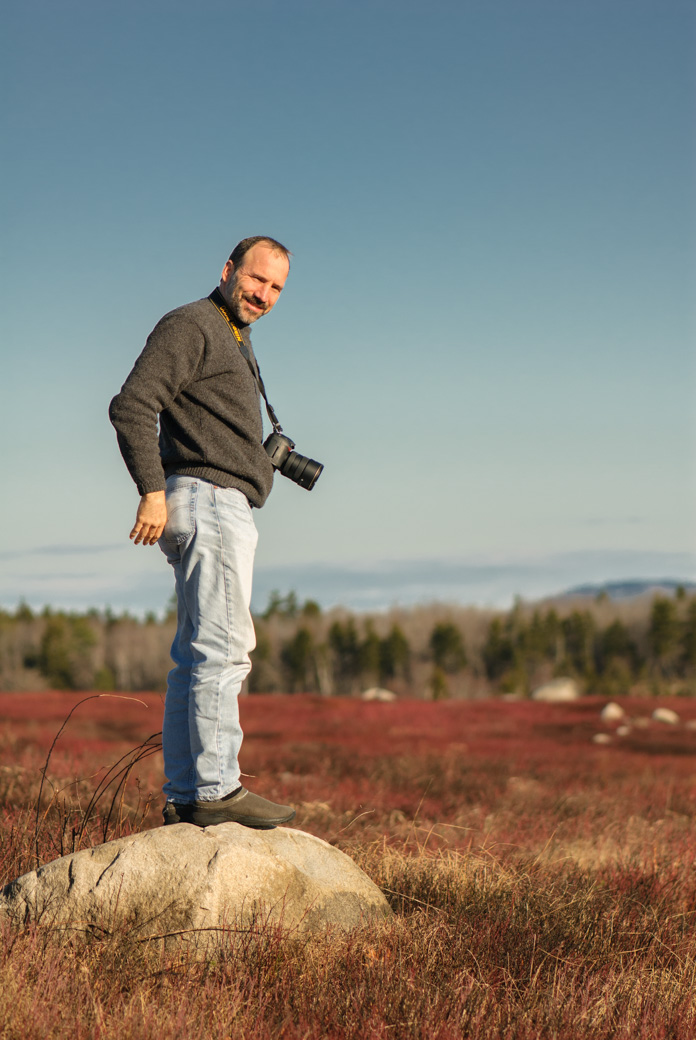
(263, 292)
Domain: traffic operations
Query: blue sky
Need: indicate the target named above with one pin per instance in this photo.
(487, 333)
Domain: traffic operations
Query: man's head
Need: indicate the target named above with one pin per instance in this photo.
(254, 276)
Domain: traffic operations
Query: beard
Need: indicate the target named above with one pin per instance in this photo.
(244, 305)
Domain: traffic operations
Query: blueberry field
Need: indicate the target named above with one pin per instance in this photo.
(539, 860)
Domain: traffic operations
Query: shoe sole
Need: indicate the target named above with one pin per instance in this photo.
(213, 818)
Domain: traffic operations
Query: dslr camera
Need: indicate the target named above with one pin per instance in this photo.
(296, 467)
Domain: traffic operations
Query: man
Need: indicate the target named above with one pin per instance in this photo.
(198, 481)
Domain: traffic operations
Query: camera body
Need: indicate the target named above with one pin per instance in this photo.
(295, 467)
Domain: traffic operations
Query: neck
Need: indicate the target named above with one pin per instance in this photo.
(219, 297)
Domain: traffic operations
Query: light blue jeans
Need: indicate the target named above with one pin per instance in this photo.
(210, 540)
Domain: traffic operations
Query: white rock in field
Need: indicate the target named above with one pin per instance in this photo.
(194, 886)
(558, 691)
(612, 712)
(601, 738)
(376, 693)
(666, 715)
(623, 731)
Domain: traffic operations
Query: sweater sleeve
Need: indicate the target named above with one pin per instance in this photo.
(168, 363)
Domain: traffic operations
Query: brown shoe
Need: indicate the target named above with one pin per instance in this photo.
(242, 807)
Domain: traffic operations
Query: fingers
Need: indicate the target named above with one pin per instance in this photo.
(146, 534)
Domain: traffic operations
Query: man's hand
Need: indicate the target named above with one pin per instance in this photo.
(151, 518)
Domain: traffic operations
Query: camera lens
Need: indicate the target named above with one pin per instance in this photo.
(302, 470)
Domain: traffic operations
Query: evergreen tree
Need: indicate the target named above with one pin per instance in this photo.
(664, 634)
(285, 606)
(579, 641)
(263, 677)
(297, 657)
(369, 655)
(688, 641)
(65, 653)
(537, 643)
(498, 651)
(394, 655)
(345, 649)
(615, 643)
(447, 648)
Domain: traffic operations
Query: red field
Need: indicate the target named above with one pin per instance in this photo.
(543, 884)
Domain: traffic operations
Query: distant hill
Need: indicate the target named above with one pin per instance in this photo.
(627, 589)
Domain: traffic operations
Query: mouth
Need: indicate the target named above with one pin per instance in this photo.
(250, 302)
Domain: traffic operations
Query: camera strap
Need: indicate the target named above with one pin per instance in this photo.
(218, 301)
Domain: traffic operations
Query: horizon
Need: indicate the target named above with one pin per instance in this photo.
(494, 584)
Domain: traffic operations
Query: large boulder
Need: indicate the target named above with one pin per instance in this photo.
(195, 886)
(557, 691)
(377, 693)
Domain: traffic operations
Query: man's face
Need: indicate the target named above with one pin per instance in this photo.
(251, 289)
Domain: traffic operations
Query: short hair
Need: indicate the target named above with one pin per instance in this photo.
(243, 247)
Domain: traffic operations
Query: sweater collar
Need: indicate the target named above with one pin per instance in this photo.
(219, 300)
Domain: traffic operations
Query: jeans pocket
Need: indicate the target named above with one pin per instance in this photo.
(233, 506)
(181, 511)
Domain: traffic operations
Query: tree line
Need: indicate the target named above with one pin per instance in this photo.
(436, 651)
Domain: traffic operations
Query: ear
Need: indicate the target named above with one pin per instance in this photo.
(227, 272)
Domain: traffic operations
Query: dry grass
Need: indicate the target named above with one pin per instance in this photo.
(542, 886)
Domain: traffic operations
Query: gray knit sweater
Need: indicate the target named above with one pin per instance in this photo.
(193, 375)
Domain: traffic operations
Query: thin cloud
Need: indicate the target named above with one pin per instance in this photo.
(60, 550)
